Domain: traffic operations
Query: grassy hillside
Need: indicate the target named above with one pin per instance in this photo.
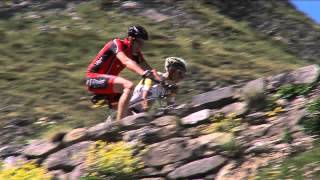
(44, 55)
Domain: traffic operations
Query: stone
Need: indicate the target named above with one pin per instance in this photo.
(21, 122)
(10, 150)
(135, 121)
(254, 93)
(167, 152)
(77, 172)
(198, 167)
(259, 147)
(218, 138)
(257, 131)
(256, 118)
(139, 134)
(74, 136)
(104, 130)
(295, 117)
(41, 148)
(180, 111)
(154, 15)
(57, 137)
(69, 157)
(305, 75)
(196, 118)
(274, 82)
(13, 161)
(238, 108)
(213, 99)
(130, 5)
(164, 121)
(59, 175)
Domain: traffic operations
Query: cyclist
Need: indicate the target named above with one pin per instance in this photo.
(102, 73)
(147, 91)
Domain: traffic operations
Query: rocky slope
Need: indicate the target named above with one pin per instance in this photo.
(220, 134)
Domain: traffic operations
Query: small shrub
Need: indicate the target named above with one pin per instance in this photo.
(111, 161)
(311, 122)
(222, 123)
(287, 136)
(27, 171)
(293, 90)
(232, 148)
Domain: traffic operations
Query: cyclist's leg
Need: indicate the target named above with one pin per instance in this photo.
(124, 86)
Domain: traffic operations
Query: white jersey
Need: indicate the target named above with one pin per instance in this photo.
(155, 92)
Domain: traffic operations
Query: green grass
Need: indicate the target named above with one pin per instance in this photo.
(43, 71)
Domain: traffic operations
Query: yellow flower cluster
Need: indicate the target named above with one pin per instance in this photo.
(27, 171)
(274, 112)
(111, 159)
(223, 123)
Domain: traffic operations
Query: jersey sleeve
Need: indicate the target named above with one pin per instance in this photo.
(116, 46)
(147, 84)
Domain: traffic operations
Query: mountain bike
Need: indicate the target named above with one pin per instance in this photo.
(158, 102)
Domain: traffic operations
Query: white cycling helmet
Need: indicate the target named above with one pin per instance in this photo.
(175, 62)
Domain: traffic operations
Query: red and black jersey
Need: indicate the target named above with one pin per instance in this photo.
(106, 61)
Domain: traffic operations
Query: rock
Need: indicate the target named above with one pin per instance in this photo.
(151, 171)
(298, 103)
(77, 172)
(59, 175)
(104, 130)
(13, 161)
(69, 157)
(295, 117)
(305, 75)
(218, 138)
(140, 134)
(150, 135)
(164, 121)
(256, 118)
(41, 148)
(180, 111)
(130, 5)
(74, 136)
(154, 15)
(238, 108)
(259, 147)
(213, 99)
(274, 82)
(196, 118)
(153, 178)
(257, 131)
(21, 122)
(58, 137)
(10, 150)
(135, 121)
(302, 144)
(167, 152)
(225, 171)
(198, 167)
(254, 93)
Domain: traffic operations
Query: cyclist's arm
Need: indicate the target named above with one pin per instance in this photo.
(146, 88)
(145, 65)
(129, 63)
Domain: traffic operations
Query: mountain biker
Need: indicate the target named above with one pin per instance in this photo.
(175, 68)
(102, 73)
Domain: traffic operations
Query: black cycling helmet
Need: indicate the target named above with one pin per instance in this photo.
(138, 32)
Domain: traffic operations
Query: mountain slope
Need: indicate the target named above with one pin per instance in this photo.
(45, 50)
